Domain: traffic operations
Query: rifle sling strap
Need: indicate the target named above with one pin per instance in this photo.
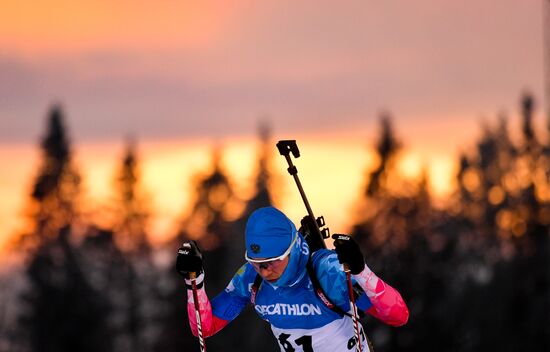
(357, 290)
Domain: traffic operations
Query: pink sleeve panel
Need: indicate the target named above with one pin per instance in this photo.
(210, 323)
(387, 303)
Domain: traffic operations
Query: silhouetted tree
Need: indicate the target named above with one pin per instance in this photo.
(112, 272)
(56, 187)
(528, 131)
(131, 207)
(61, 310)
(503, 199)
(252, 332)
(382, 197)
(483, 181)
(136, 275)
(405, 245)
(261, 198)
(534, 199)
(387, 149)
(208, 223)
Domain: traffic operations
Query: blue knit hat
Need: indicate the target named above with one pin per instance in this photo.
(268, 233)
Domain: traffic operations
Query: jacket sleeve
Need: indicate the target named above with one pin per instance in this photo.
(225, 307)
(387, 303)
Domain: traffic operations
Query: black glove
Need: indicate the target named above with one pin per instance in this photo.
(349, 253)
(189, 259)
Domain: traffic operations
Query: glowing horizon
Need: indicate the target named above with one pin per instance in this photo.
(167, 169)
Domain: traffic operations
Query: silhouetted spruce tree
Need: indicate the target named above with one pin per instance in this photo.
(503, 189)
(406, 246)
(131, 207)
(380, 198)
(502, 255)
(133, 273)
(485, 197)
(209, 224)
(61, 311)
(261, 198)
(251, 332)
(530, 141)
(110, 271)
(535, 193)
(56, 188)
(531, 269)
(387, 148)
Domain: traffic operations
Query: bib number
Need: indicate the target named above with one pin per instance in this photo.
(304, 342)
(353, 341)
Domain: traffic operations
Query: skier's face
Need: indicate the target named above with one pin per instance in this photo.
(272, 270)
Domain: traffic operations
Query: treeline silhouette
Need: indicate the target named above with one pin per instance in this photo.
(475, 274)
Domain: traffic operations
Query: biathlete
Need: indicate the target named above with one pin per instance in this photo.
(304, 296)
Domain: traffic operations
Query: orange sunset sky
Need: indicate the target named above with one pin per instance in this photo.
(181, 76)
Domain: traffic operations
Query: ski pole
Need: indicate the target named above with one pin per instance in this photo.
(354, 313)
(193, 277)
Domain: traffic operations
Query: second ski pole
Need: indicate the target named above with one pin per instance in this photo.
(193, 278)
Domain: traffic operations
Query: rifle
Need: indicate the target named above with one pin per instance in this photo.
(313, 229)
